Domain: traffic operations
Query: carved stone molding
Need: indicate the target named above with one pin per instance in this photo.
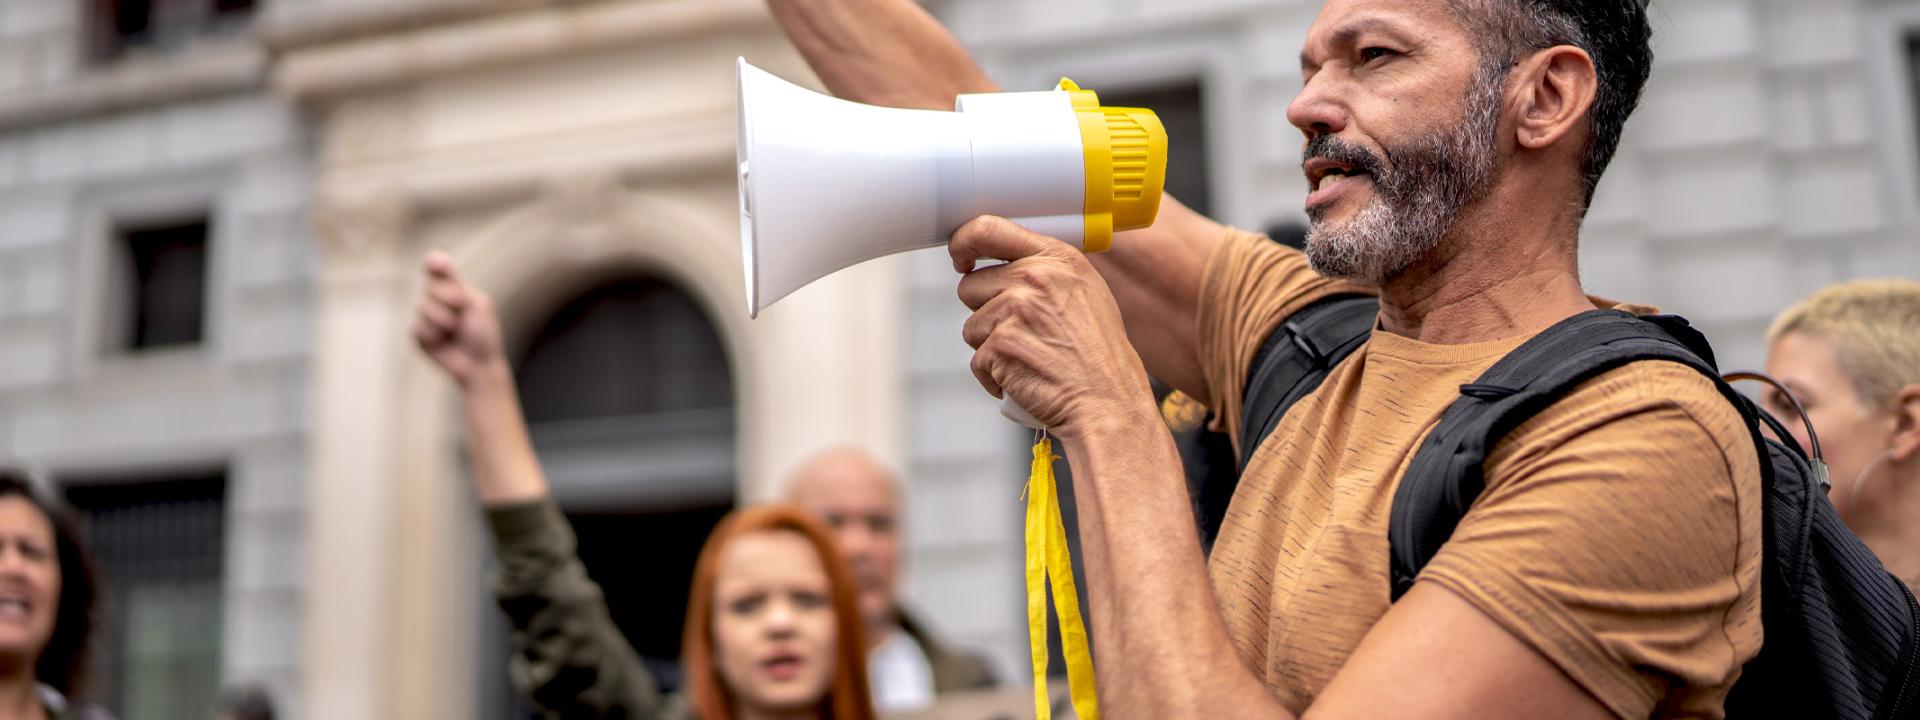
(583, 203)
(291, 26)
(367, 59)
(210, 68)
(370, 128)
(358, 226)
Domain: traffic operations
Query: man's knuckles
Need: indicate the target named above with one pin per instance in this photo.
(983, 364)
(977, 328)
(991, 236)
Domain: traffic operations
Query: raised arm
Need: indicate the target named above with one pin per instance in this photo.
(567, 655)
(892, 53)
(457, 329)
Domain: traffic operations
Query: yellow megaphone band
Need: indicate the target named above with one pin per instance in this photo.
(1125, 150)
(1047, 560)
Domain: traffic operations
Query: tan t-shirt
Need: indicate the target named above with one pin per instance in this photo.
(1619, 533)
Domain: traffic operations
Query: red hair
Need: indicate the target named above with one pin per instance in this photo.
(847, 698)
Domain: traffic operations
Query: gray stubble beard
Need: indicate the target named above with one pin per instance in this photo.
(1417, 194)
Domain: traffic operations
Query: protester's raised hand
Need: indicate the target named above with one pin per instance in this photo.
(1046, 330)
(455, 324)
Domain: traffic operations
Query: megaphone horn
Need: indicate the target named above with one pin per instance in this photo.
(826, 183)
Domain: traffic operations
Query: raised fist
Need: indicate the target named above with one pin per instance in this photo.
(455, 325)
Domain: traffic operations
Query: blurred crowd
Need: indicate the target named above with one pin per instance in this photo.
(795, 607)
(795, 604)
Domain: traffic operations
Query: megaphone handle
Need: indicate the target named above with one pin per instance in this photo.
(1012, 411)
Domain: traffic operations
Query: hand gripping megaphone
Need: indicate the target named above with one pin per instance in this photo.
(826, 183)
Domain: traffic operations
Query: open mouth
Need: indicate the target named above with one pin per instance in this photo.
(1336, 174)
(14, 607)
(1323, 173)
(784, 665)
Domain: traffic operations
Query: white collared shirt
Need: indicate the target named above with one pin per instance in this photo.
(901, 677)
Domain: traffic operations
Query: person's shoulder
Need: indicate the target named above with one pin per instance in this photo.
(1649, 384)
(953, 668)
(1662, 407)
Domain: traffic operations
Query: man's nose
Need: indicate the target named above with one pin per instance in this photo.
(855, 539)
(1316, 111)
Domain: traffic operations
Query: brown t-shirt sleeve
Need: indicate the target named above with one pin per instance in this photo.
(1619, 535)
(1251, 285)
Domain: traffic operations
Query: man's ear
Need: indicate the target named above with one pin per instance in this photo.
(1906, 423)
(1555, 90)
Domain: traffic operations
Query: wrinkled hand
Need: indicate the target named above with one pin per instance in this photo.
(455, 324)
(1046, 330)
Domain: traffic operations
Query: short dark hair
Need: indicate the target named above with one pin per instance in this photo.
(63, 663)
(1615, 33)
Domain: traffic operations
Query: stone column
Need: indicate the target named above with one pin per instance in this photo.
(355, 467)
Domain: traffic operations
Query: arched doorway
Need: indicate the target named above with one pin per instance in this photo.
(630, 401)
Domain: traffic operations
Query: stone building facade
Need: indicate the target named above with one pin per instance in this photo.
(97, 144)
(556, 146)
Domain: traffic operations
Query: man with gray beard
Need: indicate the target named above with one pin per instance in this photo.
(1610, 567)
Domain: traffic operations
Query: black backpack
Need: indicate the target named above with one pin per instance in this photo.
(1840, 630)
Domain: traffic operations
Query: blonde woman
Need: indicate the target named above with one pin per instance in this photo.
(1851, 355)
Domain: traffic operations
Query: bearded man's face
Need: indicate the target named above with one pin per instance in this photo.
(1401, 122)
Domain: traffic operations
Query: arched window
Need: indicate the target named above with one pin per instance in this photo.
(631, 348)
(629, 397)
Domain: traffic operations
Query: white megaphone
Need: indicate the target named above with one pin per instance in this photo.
(826, 183)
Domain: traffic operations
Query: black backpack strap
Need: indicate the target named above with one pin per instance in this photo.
(1296, 357)
(1447, 473)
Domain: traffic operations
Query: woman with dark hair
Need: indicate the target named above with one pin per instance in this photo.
(773, 627)
(46, 606)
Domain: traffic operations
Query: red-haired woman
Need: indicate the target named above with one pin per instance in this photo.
(773, 627)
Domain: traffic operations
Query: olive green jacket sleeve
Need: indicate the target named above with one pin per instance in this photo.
(566, 655)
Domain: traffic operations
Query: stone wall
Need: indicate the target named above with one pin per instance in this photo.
(87, 147)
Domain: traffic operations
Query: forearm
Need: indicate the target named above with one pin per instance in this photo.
(1162, 649)
(1155, 275)
(892, 53)
(881, 52)
(505, 469)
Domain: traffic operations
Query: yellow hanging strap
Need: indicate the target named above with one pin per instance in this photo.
(1047, 560)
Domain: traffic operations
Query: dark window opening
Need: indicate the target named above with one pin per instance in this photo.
(647, 591)
(634, 347)
(160, 548)
(168, 296)
(132, 19)
(120, 26)
(1913, 82)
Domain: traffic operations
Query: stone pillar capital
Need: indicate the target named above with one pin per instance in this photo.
(363, 231)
